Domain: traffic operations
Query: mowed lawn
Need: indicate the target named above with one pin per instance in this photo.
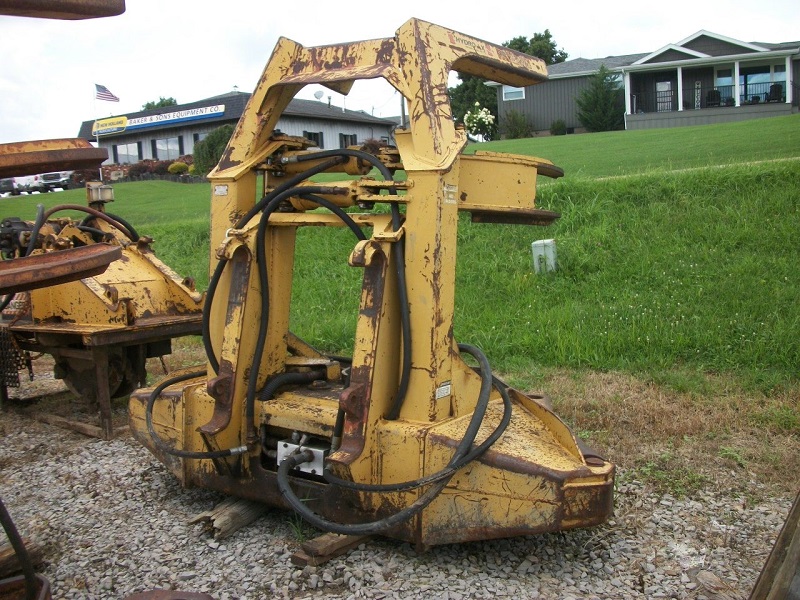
(677, 285)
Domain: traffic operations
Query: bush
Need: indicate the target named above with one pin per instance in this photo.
(139, 169)
(161, 167)
(207, 152)
(178, 168)
(558, 127)
(601, 106)
(515, 125)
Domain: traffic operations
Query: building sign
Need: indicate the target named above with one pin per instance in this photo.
(181, 116)
(110, 125)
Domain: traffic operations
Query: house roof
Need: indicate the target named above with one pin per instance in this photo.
(584, 66)
(675, 52)
(235, 103)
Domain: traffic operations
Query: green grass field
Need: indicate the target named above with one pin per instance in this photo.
(662, 273)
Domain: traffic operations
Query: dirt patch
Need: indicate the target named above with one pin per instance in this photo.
(680, 442)
(724, 439)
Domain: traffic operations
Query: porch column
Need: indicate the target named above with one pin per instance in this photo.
(626, 78)
(680, 88)
(789, 80)
(737, 91)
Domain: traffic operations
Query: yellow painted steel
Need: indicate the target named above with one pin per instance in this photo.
(534, 478)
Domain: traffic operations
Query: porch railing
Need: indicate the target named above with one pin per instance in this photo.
(695, 98)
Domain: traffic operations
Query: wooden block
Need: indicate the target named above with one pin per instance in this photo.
(230, 515)
(325, 547)
(9, 564)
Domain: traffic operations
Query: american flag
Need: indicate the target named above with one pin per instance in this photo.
(103, 93)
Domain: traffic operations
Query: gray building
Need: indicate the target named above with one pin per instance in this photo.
(170, 132)
(704, 78)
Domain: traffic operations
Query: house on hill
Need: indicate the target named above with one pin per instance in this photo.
(172, 131)
(704, 78)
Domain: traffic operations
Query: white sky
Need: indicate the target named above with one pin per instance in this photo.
(202, 48)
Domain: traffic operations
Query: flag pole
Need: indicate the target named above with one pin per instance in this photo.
(96, 129)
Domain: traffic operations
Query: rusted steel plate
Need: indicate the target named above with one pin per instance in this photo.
(62, 9)
(42, 156)
(41, 270)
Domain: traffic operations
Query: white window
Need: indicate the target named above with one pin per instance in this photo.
(513, 93)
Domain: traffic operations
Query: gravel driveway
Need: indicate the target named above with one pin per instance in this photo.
(113, 522)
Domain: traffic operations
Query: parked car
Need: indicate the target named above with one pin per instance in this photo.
(58, 179)
(10, 186)
(30, 184)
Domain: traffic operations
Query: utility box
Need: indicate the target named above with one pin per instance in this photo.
(544, 256)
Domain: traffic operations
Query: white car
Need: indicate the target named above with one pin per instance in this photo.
(30, 184)
(58, 179)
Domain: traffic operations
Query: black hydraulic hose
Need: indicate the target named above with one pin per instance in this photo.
(462, 451)
(134, 234)
(347, 219)
(214, 280)
(206, 323)
(475, 453)
(173, 451)
(405, 320)
(104, 235)
(95, 213)
(263, 277)
(291, 378)
(37, 226)
(355, 528)
(399, 261)
(19, 549)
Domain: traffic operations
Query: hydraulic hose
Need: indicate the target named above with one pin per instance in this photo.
(95, 213)
(263, 276)
(291, 378)
(347, 528)
(438, 481)
(405, 320)
(399, 261)
(214, 280)
(173, 451)
(37, 226)
(134, 234)
(475, 453)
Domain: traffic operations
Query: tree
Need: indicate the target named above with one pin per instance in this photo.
(208, 151)
(540, 45)
(471, 90)
(600, 106)
(160, 103)
(474, 89)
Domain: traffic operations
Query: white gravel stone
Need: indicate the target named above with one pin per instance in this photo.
(113, 521)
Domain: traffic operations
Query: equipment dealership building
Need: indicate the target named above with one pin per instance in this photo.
(170, 132)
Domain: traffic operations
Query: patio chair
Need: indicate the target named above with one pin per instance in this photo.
(775, 93)
(712, 98)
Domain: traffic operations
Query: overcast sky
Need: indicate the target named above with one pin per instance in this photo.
(202, 48)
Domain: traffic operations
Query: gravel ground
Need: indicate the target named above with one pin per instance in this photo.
(113, 522)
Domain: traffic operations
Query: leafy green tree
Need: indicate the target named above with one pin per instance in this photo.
(474, 89)
(471, 90)
(208, 151)
(601, 105)
(541, 45)
(160, 103)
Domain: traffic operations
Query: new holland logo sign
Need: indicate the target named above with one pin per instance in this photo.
(110, 125)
